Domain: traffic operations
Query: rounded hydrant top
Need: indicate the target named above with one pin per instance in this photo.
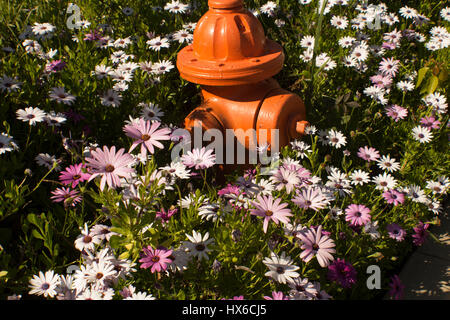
(229, 48)
(225, 4)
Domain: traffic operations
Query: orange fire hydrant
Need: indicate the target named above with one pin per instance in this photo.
(234, 62)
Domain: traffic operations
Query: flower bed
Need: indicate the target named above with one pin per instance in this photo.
(92, 206)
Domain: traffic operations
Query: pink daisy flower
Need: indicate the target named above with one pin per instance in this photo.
(110, 166)
(389, 66)
(311, 198)
(269, 209)
(157, 259)
(316, 244)
(396, 112)
(397, 288)
(69, 197)
(199, 158)
(368, 153)
(430, 122)
(357, 214)
(165, 215)
(276, 296)
(393, 197)
(146, 133)
(421, 233)
(381, 81)
(396, 232)
(74, 175)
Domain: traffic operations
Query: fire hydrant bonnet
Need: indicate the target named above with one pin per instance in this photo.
(229, 48)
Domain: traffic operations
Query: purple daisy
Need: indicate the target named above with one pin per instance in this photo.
(316, 244)
(342, 272)
(393, 197)
(270, 209)
(397, 288)
(69, 197)
(396, 232)
(368, 153)
(157, 259)
(421, 233)
(147, 135)
(357, 214)
(73, 175)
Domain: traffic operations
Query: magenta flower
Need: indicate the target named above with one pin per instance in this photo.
(157, 259)
(357, 214)
(146, 133)
(342, 272)
(393, 197)
(228, 190)
(70, 197)
(316, 244)
(397, 288)
(430, 122)
(269, 209)
(199, 158)
(74, 175)
(276, 296)
(396, 232)
(396, 112)
(421, 233)
(110, 166)
(368, 153)
(165, 216)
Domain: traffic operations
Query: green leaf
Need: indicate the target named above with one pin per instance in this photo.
(37, 235)
(421, 75)
(433, 84)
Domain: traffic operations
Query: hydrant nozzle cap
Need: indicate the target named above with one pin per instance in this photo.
(225, 4)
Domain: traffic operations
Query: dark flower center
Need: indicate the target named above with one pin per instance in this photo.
(280, 270)
(45, 286)
(109, 168)
(315, 246)
(155, 259)
(200, 247)
(76, 177)
(99, 275)
(145, 137)
(87, 239)
(269, 213)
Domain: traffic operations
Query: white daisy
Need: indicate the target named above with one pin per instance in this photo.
(336, 139)
(86, 240)
(44, 284)
(31, 115)
(416, 194)
(384, 181)
(111, 98)
(59, 94)
(9, 84)
(339, 22)
(46, 160)
(422, 134)
(359, 177)
(162, 67)
(281, 268)
(151, 111)
(198, 244)
(157, 43)
(388, 164)
(307, 42)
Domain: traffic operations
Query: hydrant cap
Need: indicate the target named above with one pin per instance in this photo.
(225, 4)
(229, 48)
